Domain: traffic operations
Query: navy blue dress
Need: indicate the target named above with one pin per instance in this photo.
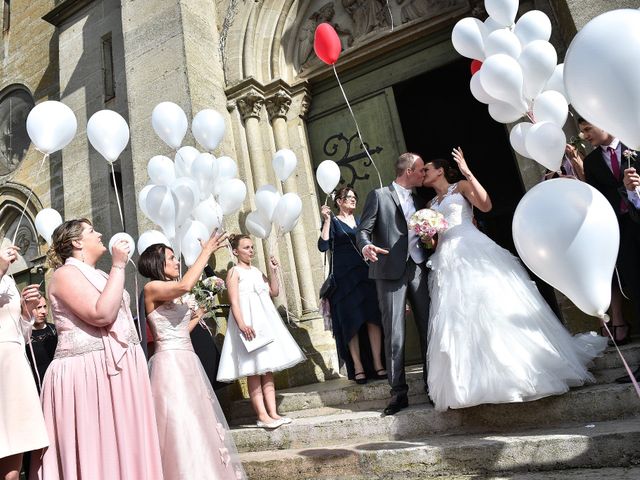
(355, 301)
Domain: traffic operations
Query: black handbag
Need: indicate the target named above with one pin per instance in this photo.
(329, 285)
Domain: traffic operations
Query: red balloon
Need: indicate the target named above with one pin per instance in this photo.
(475, 66)
(327, 44)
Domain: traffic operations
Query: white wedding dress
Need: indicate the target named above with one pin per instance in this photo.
(492, 337)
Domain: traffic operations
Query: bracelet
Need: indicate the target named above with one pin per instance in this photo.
(119, 267)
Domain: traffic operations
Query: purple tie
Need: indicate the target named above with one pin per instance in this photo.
(615, 168)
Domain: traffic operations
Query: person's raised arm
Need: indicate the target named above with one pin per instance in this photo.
(471, 187)
(71, 287)
(161, 291)
(325, 233)
(274, 284)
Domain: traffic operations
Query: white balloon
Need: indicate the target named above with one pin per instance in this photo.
(555, 227)
(227, 168)
(551, 106)
(161, 170)
(533, 25)
(503, 112)
(257, 225)
(46, 221)
(517, 137)
(287, 212)
(328, 175)
(468, 38)
(151, 237)
(184, 159)
(127, 238)
(170, 123)
(108, 132)
(208, 128)
(556, 81)
(51, 126)
(502, 79)
(602, 72)
(502, 11)
(204, 171)
(185, 198)
(267, 198)
(231, 195)
(491, 25)
(478, 92)
(502, 41)
(161, 209)
(538, 61)
(209, 213)
(545, 143)
(284, 163)
(142, 198)
(190, 241)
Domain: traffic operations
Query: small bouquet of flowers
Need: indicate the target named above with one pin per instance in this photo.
(427, 224)
(205, 292)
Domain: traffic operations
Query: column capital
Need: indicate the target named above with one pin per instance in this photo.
(250, 104)
(278, 104)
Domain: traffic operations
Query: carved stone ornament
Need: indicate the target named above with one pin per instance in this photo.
(250, 104)
(278, 105)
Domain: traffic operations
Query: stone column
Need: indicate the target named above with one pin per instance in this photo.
(278, 104)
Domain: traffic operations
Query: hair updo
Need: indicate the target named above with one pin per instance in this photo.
(451, 172)
(234, 239)
(62, 241)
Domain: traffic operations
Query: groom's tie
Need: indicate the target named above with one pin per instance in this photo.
(615, 169)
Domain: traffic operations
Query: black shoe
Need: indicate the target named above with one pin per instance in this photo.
(627, 379)
(381, 376)
(362, 380)
(396, 404)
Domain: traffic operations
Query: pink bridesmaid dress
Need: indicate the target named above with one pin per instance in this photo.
(195, 441)
(97, 399)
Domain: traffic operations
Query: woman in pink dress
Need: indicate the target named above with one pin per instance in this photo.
(96, 395)
(22, 427)
(195, 441)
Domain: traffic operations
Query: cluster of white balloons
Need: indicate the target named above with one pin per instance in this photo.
(519, 76)
(189, 195)
(274, 210)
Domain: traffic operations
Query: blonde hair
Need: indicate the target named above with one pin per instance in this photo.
(62, 241)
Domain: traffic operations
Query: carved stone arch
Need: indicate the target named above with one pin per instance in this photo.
(13, 197)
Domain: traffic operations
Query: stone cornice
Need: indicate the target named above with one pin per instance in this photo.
(64, 10)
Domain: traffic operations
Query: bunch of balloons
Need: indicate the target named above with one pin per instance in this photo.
(189, 195)
(272, 208)
(518, 77)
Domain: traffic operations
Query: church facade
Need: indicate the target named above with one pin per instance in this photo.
(253, 61)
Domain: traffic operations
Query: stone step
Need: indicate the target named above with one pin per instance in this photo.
(353, 421)
(598, 445)
(375, 394)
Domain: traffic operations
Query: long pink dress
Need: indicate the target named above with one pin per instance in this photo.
(21, 424)
(195, 441)
(97, 399)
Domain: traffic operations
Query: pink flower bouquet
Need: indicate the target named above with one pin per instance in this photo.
(427, 224)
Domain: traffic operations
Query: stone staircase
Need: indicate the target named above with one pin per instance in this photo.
(592, 432)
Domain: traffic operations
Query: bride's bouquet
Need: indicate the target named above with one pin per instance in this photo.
(427, 224)
(205, 292)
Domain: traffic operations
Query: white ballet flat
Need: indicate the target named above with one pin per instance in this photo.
(269, 426)
(285, 420)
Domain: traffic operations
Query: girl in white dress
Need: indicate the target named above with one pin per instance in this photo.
(492, 337)
(254, 316)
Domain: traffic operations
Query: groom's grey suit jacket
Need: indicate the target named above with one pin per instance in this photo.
(383, 223)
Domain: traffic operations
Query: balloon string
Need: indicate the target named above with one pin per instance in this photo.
(605, 320)
(364, 147)
(620, 283)
(390, 14)
(115, 187)
(26, 204)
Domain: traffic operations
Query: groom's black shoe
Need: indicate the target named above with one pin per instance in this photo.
(397, 403)
(627, 379)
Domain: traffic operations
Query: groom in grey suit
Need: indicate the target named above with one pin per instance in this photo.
(398, 265)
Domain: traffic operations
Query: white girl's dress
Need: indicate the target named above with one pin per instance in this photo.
(259, 312)
(492, 337)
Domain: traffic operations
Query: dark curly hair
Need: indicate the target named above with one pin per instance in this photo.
(152, 262)
(451, 172)
(342, 193)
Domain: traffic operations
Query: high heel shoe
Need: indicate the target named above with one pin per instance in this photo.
(362, 380)
(381, 376)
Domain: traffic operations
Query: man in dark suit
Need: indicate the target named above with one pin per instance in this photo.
(606, 169)
(398, 265)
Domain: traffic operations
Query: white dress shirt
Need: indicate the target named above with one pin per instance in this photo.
(408, 208)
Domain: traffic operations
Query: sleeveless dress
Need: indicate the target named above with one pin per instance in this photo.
(22, 425)
(97, 399)
(492, 337)
(258, 311)
(195, 441)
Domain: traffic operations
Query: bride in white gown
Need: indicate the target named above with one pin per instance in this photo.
(492, 337)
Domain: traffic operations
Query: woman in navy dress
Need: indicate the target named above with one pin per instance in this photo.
(354, 303)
